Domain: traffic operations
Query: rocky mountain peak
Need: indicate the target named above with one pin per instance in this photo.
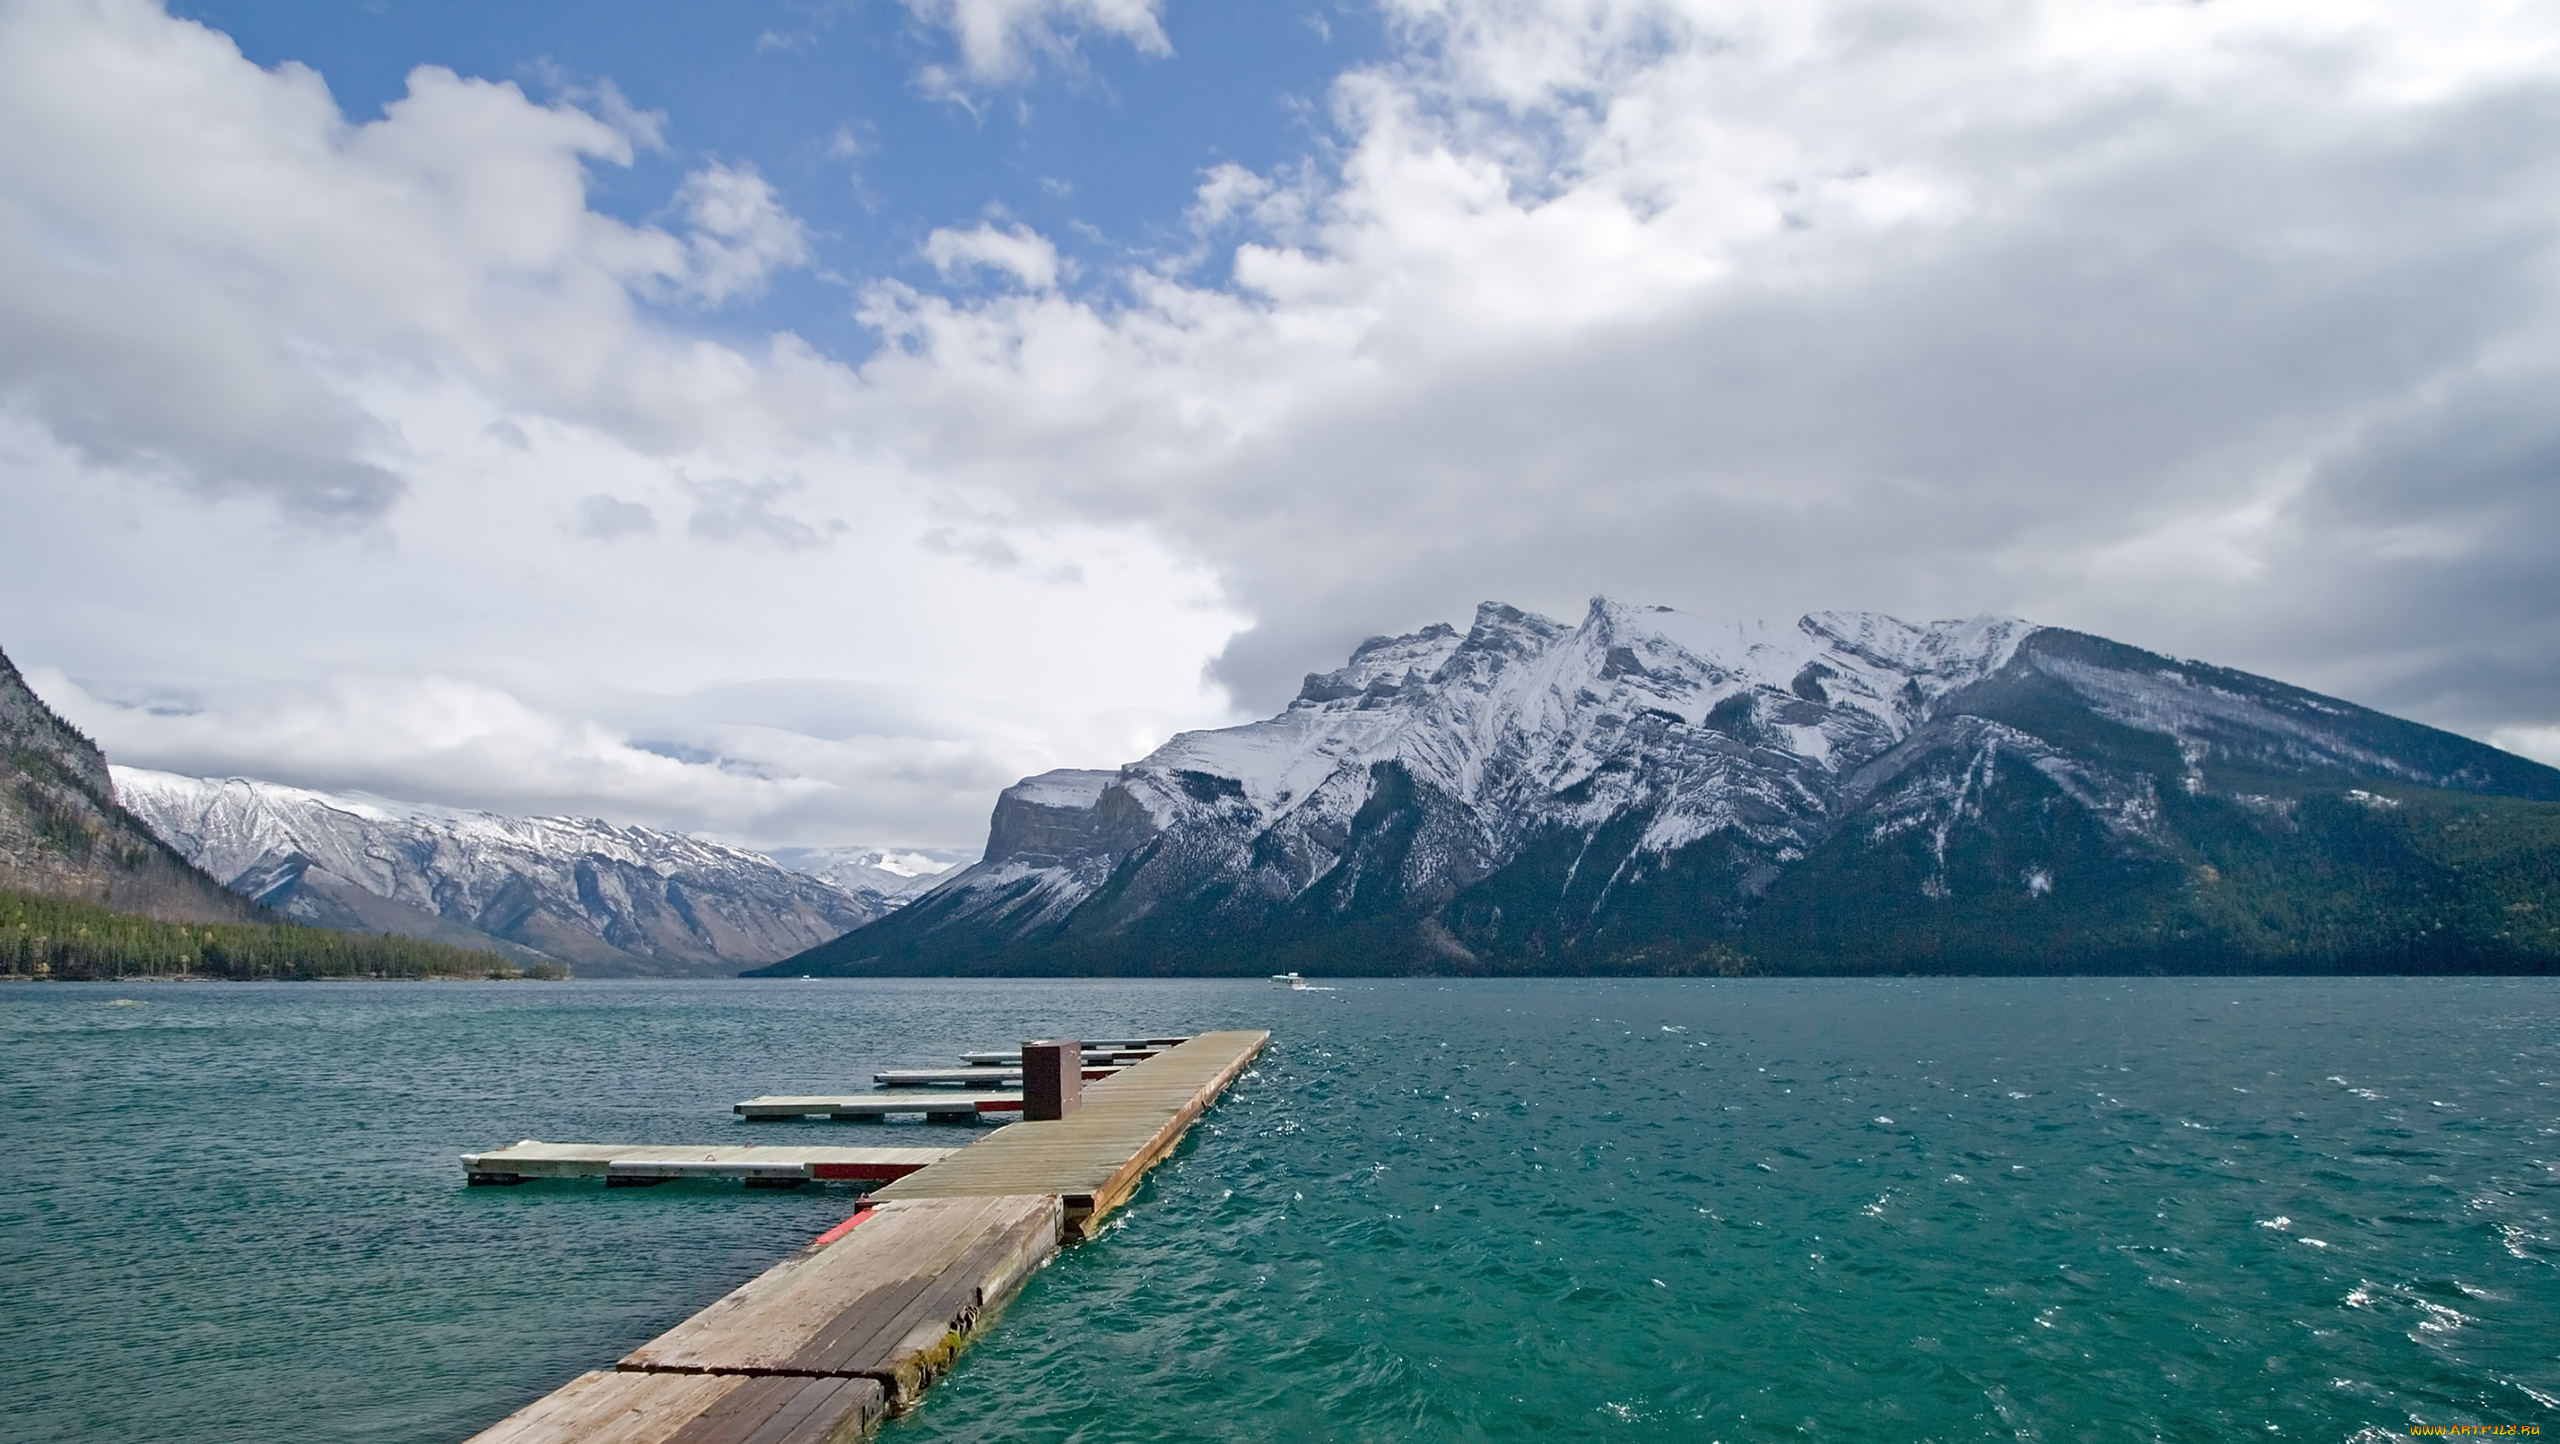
(1647, 784)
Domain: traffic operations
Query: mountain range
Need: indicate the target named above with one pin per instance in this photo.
(887, 877)
(607, 900)
(1648, 792)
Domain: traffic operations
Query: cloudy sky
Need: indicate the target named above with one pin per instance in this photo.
(794, 421)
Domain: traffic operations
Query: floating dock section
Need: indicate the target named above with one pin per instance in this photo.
(937, 1107)
(820, 1347)
(993, 1077)
(627, 1164)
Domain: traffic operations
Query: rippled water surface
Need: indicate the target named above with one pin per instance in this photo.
(1710, 1210)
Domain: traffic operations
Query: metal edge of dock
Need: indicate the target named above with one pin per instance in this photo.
(825, 1344)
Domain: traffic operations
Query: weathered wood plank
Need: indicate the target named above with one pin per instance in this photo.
(1096, 1157)
(850, 1307)
(771, 1316)
(619, 1408)
(874, 1105)
(1108, 1045)
(790, 1411)
(918, 1343)
(965, 1077)
(1092, 1053)
(533, 1159)
(791, 1324)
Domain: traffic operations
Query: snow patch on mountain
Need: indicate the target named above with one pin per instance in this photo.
(1521, 709)
(1517, 724)
(889, 875)
(604, 898)
(1649, 791)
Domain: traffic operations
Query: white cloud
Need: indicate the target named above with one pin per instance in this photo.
(2222, 329)
(1020, 252)
(727, 509)
(604, 517)
(645, 129)
(226, 302)
(740, 233)
(869, 690)
(206, 256)
(413, 736)
(2094, 312)
(1000, 39)
(2542, 744)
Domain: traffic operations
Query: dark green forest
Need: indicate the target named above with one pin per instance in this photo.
(44, 937)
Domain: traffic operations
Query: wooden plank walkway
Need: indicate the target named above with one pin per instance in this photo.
(627, 1163)
(619, 1408)
(1094, 1158)
(890, 1300)
(875, 1106)
(819, 1347)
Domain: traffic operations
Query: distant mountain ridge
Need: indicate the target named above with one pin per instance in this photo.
(886, 876)
(607, 900)
(64, 835)
(1650, 792)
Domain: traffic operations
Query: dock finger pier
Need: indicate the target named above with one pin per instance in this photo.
(823, 1345)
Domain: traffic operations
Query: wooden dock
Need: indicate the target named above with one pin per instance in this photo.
(608, 1407)
(820, 1347)
(937, 1106)
(624, 1163)
(965, 1077)
(1093, 1158)
(1100, 1057)
(890, 1300)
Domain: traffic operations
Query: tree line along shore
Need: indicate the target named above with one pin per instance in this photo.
(67, 940)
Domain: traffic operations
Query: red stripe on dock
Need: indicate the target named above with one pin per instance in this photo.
(1001, 1105)
(846, 1227)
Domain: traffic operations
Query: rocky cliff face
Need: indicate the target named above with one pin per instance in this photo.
(608, 901)
(1649, 792)
(63, 834)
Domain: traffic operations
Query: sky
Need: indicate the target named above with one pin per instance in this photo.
(793, 422)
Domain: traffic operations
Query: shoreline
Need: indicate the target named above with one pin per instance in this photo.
(332, 978)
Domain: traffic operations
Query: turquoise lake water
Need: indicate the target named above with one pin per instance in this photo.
(1557, 1209)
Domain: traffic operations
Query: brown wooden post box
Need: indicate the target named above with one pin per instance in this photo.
(1052, 1078)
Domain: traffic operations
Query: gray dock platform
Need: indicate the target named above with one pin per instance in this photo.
(1095, 1157)
(627, 1163)
(1119, 1045)
(818, 1348)
(966, 1077)
(1103, 1057)
(889, 1300)
(935, 1106)
(610, 1407)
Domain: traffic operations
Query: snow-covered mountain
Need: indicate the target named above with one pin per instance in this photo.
(887, 876)
(609, 901)
(1649, 791)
